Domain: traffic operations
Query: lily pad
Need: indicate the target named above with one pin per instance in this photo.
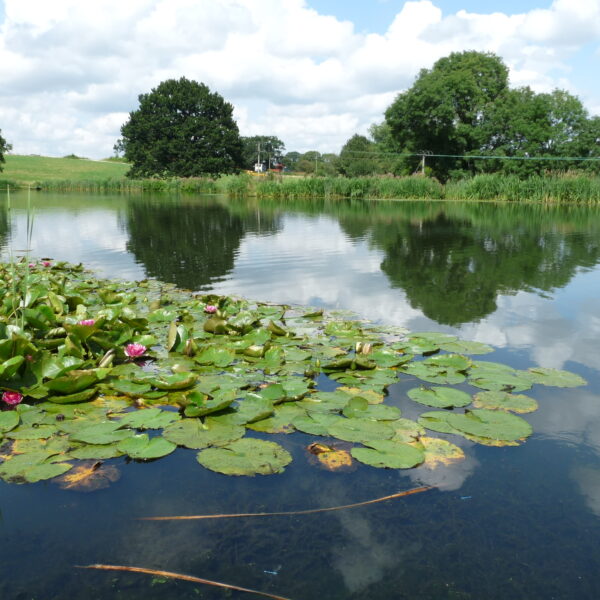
(129, 388)
(389, 454)
(281, 421)
(440, 452)
(496, 425)
(246, 457)
(360, 430)
(142, 447)
(96, 451)
(359, 408)
(89, 477)
(518, 403)
(439, 397)
(83, 396)
(149, 418)
(192, 433)
(8, 420)
(553, 377)
(105, 432)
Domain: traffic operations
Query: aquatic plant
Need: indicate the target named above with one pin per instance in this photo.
(216, 369)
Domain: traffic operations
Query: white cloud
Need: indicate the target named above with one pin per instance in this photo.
(68, 67)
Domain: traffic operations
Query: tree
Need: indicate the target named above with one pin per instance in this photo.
(182, 129)
(4, 148)
(442, 111)
(357, 157)
(270, 147)
(290, 160)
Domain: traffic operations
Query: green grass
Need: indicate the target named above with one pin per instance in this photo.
(30, 170)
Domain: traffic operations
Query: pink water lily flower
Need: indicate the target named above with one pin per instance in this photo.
(32, 265)
(12, 398)
(89, 322)
(135, 350)
(46, 263)
(210, 309)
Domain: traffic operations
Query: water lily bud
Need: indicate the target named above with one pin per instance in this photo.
(88, 322)
(210, 309)
(135, 350)
(12, 398)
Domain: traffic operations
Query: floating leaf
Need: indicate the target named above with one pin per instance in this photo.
(281, 421)
(465, 347)
(129, 388)
(330, 457)
(96, 451)
(440, 452)
(149, 418)
(83, 396)
(315, 423)
(439, 397)
(246, 457)
(518, 403)
(213, 355)
(437, 420)
(35, 432)
(389, 454)
(371, 396)
(359, 408)
(142, 447)
(203, 405)
(553, 377)
(101, 433)
(253, 408)
(177, 381)
(31, 467)
(192, 433)
(360, 430)
(496, 425)
(406, 430)
(75, 381)
(89, 477)
(8, 420)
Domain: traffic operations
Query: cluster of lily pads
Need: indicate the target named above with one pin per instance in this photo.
(95, 369)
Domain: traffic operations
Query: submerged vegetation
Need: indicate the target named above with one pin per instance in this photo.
(89, 367)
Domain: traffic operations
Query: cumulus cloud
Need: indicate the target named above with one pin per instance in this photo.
(68, 68)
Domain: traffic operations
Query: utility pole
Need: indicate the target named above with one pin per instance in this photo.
(423, 165)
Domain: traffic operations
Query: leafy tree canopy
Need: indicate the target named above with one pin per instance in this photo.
(441, 112)
(4, 148)
(358, 157)
(270, 146)
(182, 129)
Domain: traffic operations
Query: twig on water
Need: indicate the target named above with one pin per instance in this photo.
(294, 512)
(171, 575)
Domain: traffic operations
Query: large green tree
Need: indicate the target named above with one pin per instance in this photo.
(442, 111)
(269, 146)
(182, 129)
(358, 157)
(4, 148)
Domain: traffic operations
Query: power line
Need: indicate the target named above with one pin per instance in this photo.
(368, 154)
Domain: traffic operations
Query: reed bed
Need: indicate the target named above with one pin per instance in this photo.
(568, 188)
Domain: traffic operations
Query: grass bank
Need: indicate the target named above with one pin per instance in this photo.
(80, 175)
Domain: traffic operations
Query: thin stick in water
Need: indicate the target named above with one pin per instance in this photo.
(294, 512)
(171, 575)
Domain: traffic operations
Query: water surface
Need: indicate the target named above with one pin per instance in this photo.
(505, 523)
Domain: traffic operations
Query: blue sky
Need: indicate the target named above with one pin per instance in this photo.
(374, 16)
(312, 72)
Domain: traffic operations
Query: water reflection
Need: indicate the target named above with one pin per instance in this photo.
(189, 243)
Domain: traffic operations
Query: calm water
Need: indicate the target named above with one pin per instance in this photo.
(518, 523)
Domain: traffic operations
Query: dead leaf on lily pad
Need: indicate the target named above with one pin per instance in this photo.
(331, 458)
(440, 452)
(89, 477)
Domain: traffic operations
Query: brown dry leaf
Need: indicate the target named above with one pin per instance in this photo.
(89, 477)
(332, 458)
(440, 452)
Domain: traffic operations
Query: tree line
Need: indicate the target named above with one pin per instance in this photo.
(458, 119)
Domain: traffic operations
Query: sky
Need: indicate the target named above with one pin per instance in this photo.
(311, 72)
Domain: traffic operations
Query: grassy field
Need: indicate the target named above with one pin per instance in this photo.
(29, 170)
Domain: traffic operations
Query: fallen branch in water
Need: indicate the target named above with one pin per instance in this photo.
(171, 575)
(294, 512)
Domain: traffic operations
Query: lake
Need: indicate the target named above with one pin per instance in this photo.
(510, 522)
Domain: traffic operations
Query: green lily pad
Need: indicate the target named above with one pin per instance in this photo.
(32, 467)
(106, 432)
(495, 425)
(83, 396)
(360, 430)
(38, 432)
(149, 418)
(142, 447)
(96, 451)
(129, 388)
(315, 423)
(246, 457)
(75, 381)
(8, 420)
(253, 408)
(359, 408)
(201, 405)
(466, 347)
(406, 430)
(439, 397)
(281, 421)
(434, 373)
(213, 355)
(553, 377)
(177, 381)
(518, 403)
(389, 454)
(437, 420)
(192, 433)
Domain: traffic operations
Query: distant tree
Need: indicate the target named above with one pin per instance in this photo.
(442, 111)
(309, 162)
(4, 148)
(183, 129)
(358, 158)
(270, 147)
(329, 164)
(290, 160)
